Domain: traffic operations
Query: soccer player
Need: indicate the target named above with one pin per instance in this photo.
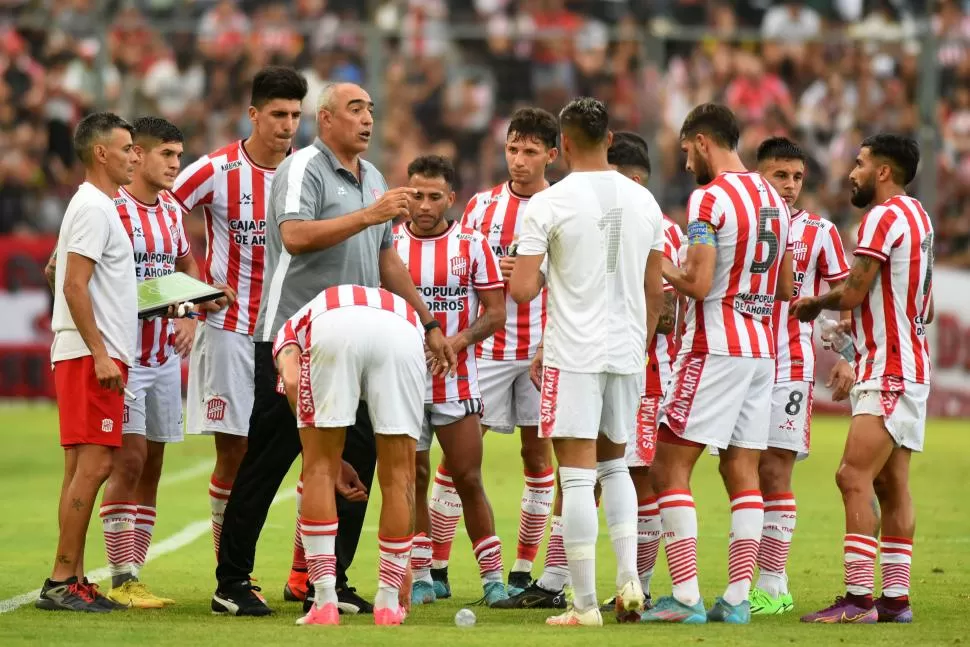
(95, 321)
(603, 234)
(720, 394)
(504, 359)
(153, 222)
(352, 343)
(817, 256)
(232, 186)
(889, 291)
(454, 270)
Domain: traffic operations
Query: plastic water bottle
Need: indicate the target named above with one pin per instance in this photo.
(834, 339)
(465, 618)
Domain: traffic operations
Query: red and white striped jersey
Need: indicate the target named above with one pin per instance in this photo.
(158, 240)
(497, 214)
(234, 192)
(296, 330)
(449, 270)
(663, 349)
(889, 326)
(752, 223)
(817, 255)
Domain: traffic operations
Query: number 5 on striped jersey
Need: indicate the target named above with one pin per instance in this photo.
(766, 235)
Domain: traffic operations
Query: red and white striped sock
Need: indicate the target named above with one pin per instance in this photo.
(679, 520)
(776, 536)
(860, 563)
(118, 523)
(144, 527)
(536, 506)
(299, 554)
(421, 558)
(218, 497)
(555, 573)
(319, 538)
(444, 509)
(747, 519)
(394, 556)
(895, 558)
(488, 554)
(648, 540)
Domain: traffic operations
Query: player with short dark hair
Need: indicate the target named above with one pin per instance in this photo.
(735, 267)
(503, 359)
(95, 321)
(232, 186)
(457, 275)
(890, 293)
(817, 256)
(600, 236)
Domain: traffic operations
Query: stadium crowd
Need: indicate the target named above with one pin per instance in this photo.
(456, 69)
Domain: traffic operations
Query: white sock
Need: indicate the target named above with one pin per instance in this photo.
(319, 539)
(649, 530)
(391, 570)
(421, 558)
(580, 528)
(679, 520)
(776, 536)
(747, 518)
(619, 499)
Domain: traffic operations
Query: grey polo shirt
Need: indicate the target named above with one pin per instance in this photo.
(311, 184)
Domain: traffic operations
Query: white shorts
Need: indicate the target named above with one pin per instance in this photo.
(719, 400)
(220, 389)
(900, 403)
(361, 353)
(641, 446)
(156, 411)
(445, 413)
(511, 399)
(791, 417)
(585, 405)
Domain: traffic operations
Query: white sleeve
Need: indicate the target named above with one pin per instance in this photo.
(657, 219)
(536, 224)
(88, 234)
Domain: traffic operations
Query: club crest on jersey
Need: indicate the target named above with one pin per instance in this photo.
(216, 409)
(800, 251)
(459, 266)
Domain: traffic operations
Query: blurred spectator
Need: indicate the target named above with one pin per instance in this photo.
(825, 72)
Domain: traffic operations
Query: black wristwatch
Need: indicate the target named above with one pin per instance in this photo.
(431, 325)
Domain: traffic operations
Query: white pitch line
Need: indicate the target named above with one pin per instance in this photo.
(179, 540)
(191, 472)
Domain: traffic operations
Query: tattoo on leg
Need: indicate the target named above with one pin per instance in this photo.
(77, 504)
(411, 507)
(63, 559)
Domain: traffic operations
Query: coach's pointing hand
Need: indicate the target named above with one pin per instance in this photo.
(393, 204)
(349, 485)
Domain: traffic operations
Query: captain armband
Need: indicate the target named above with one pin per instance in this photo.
(701, 233)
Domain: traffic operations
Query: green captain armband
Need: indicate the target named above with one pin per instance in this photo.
(701, 233)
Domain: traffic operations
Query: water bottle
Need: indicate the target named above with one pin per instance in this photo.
(834, 339)
(465, 618)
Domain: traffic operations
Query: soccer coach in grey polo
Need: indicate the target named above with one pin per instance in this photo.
(328, 223)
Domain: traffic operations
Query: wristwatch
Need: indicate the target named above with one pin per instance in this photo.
(431, 325)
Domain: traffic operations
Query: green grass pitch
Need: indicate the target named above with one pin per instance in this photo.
(30, 474)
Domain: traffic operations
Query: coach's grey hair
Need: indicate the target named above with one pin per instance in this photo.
(325, 100)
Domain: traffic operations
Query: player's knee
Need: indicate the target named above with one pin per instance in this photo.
(95, 468)
(849, 479)
(468, 480)
(536, 458)
(773, 476)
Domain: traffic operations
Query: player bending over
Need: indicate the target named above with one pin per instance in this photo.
(232, 186)
(352, 343)
(503, 359)
(454, 270)
(817, 256)
(153, 220)
(603, 235)
(720, 394)
(889, 291)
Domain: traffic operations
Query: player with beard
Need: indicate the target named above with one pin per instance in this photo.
(455, 271)
(889, 291)
(720, 393)
(817, 256)
(503, 359)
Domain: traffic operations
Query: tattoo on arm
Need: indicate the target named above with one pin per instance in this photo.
(668, 318)
(289, 349)
(480, 329)
(860, 268)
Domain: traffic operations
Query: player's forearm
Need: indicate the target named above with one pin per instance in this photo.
(523, 288)
(655, 305)
(188, 265)
(305, 236)
(78, 300)
(832, 300)
(487, 324)
(668, 317)
(50, 271)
